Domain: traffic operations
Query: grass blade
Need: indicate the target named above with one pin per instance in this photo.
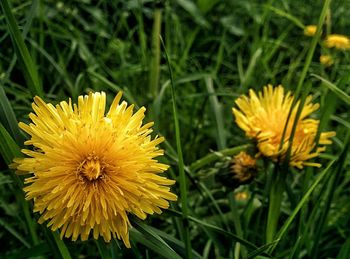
(299, 206)
(29, 68)
(182, 175)
(8, 117)
(61, 246)
(215, 156)
(8, 147)
(338, 92)
(217, 112)
(155, 57)
(14, 233)
(288, 16)
(156, 243)
(260, 250)
(334, 183)
(218, 230)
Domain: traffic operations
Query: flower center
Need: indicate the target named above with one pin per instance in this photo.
(91, 168)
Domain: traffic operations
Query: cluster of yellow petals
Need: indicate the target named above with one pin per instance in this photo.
(263, 117)
(326, 60)
(310, 30)
(337, 41)
(243, 167)
(90, 170)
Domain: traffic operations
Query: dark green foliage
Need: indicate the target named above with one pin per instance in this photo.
(217, 50)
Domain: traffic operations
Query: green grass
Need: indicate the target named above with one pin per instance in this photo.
(186, 61)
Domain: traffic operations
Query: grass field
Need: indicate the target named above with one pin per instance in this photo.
(188, 62)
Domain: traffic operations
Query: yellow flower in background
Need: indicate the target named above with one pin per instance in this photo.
(90, 170)
(326, 60)
(243, 167)
(263, 117)
(310, 30)
(337, 41)
(241, 196)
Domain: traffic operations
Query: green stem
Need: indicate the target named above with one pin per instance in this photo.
(141, 30)
(61, 246)
(329, 198)
(104, 253)
(238, 250)
(302, 202)
(182, 175)
(301, 82)
(26, 210)
(215, 156)
(275, 200)
(29, 220)
(155, 58)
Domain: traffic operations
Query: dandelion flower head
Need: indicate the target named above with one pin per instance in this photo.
(243, 167)
(326, 60)
(241, 196)
(310, 30)
(263, 117)
(90, 170)
(337, 41)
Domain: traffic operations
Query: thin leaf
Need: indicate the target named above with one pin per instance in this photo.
(300, 205)
(218, 230)
(182, 175)
(215, 156)
(114, 87)
(29, 68)
(13, 232)
(8, 147)
(192, 9)
(260, 250)
(8, 117)
(288, 16)
(61, 246)
(340, 93)
(217, 113)
(154, 241)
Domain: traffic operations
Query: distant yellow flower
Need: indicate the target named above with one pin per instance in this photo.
(263, 117)
(326, 60)
(90, 170)
(310, 30)
(337, 41)
(241, 196)
(243, 167)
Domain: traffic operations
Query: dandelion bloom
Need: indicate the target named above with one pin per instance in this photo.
(310, 30)
(337, 41)
(241, 196)
(243, 167)
(90, 170)
(326, 60)
(263, 117)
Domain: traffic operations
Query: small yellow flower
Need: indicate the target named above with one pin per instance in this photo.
(337, 41)
(310, 30)
(263, 117)
(241, 196)
(326, 60)
(243, 167)
(91, 170)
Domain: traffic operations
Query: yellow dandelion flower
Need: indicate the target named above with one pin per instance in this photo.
(243, 167)
(241, 196)
(326, 60)
(263, 117)
(310, 30)
(90, 170)
(337, 41)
